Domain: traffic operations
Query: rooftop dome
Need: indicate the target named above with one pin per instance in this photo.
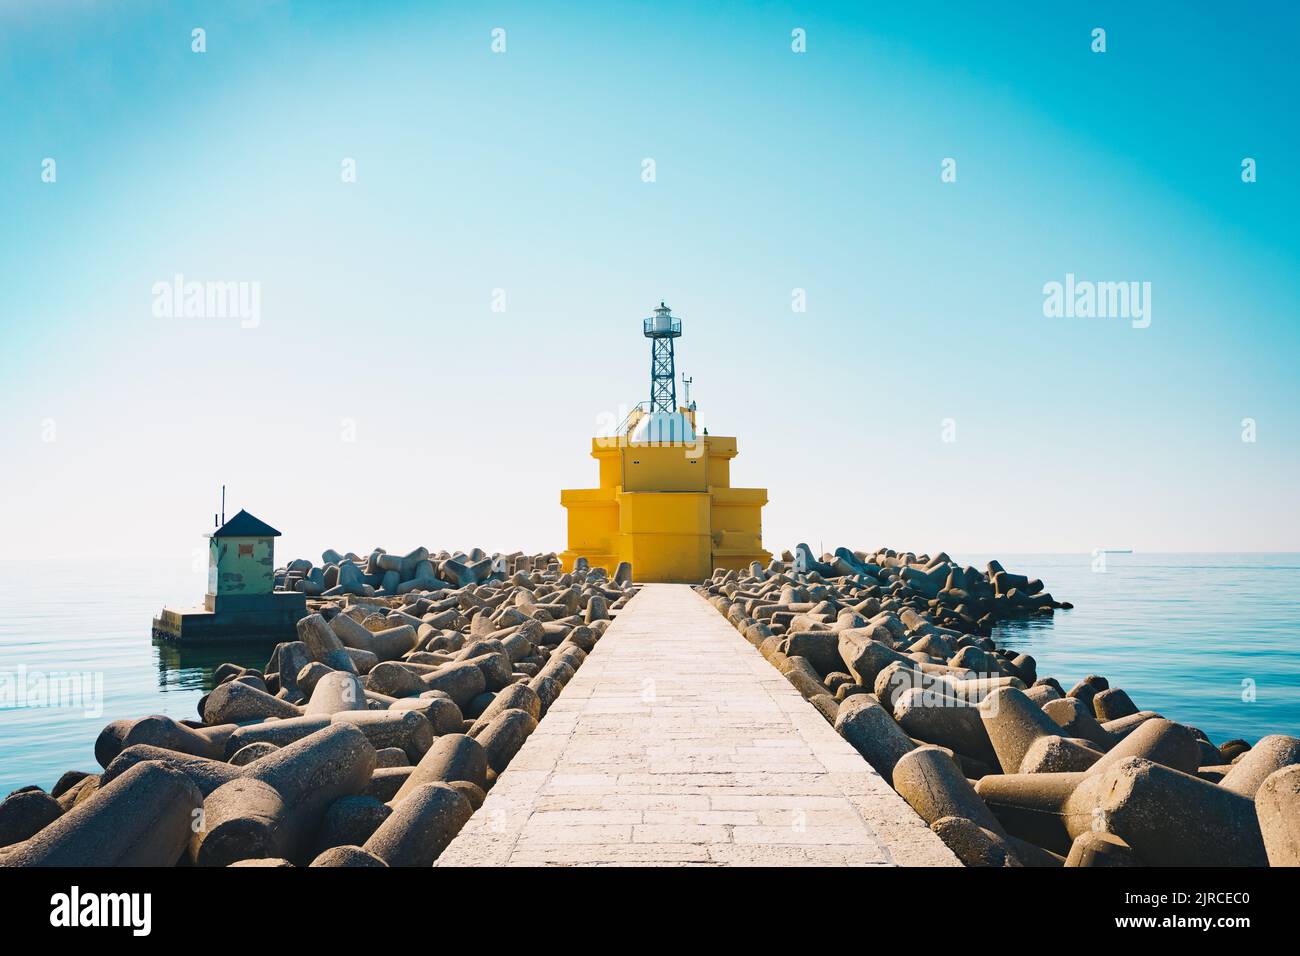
(662, 428)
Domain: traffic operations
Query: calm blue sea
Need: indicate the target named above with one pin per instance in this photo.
(1212, 640)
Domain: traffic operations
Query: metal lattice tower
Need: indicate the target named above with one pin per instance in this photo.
(661, 328)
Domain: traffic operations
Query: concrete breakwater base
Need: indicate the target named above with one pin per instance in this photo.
(676, 743)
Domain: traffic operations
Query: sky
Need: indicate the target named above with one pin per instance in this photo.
(438, 337)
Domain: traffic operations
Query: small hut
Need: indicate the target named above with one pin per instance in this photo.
(241, 604)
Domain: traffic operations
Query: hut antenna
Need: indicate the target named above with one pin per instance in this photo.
(223, 504)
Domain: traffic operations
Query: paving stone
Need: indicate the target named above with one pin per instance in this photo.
(676, 744)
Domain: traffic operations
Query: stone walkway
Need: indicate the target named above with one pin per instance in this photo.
(677, 744)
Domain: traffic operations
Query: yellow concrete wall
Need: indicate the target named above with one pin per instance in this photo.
(664, 513)
(664, 468)
(738, 509)
(721, 450)
(672, 558)
(593, 520)
(608, 452)
(668, 509)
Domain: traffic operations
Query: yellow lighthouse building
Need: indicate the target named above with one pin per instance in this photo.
(665, 502)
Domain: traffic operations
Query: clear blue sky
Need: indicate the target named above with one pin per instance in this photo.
(775, 171)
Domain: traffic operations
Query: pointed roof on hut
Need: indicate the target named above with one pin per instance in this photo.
(244, 525)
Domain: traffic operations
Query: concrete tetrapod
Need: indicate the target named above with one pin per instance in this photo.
(934, 786)
(280, 733)
(1032, 805)
(803, 676)
(515, 697)
(1169, 818)
(323, 643)
(109, 742)
(348, 856)
(387, 645)
(1270, 755)
(1076, 719)
(274, 809)
(928, 714)
(336, 691)
(407, 729)
(865, 724)
(391, 757)
(142, 818)
(160, 731)
(462, 681)
(1121, 727)
(288, 660)
(423, 822)
(973, 844)
(1097, 848)
(492, 661)
(1112, 704)
(866, 658)
(236, 703)
(362, 661)
(386, 781)
(1277, 804)
(820, 648)
(351, 821)
(1054, 754)
(1160, 741)
(205, 773)
(24, 813)
(1013, 722)
(394, 680)
(249, 753)
(466, 572)
(548, 691)
(270, 863)
(453, 757)
(311, 675)
(503, 737)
